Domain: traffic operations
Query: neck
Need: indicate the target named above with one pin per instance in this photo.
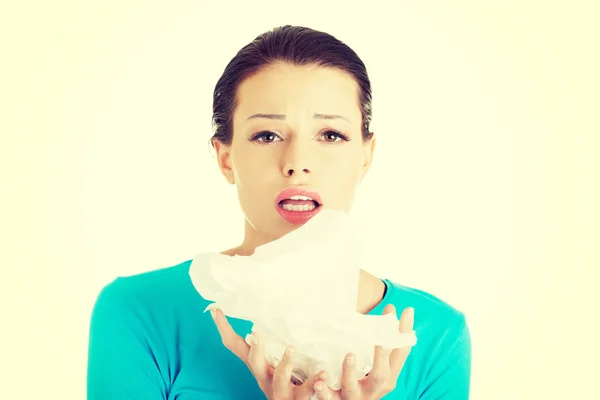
(252, 240)
(370, 292)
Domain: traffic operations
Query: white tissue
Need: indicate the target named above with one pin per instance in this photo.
(302, 290)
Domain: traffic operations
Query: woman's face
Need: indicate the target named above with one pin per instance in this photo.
(294, 127)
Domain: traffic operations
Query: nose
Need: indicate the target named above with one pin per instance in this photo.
(296, 159)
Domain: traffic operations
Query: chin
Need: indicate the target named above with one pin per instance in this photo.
(268, 229)
(282, 228)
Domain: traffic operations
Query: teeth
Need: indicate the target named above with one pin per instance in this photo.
(299, 197)
(305, 207)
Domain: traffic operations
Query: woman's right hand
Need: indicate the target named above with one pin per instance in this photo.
(274, 382)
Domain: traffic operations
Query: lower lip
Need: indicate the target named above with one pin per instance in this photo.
(297, 217)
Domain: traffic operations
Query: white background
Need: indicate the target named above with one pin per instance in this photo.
(483, 191)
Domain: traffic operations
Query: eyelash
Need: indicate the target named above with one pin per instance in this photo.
(339, 134)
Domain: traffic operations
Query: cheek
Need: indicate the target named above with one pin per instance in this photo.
(341, 179)
(255, 179)
(346, 167)
(252, 172)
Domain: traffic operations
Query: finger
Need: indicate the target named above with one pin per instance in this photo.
(283, 373)
(230, 339)
(324, 392)
(379, 375)
(407, 320)
(399, 356)
(307, 389)
(256, 360)
(350, 388)
(389, 309)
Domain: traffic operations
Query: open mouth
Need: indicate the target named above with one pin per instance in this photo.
(299, 204)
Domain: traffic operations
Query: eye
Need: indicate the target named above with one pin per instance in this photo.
(333, 136)
(265, 137)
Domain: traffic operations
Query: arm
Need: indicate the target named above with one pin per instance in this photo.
(450, 375)
(121, 364)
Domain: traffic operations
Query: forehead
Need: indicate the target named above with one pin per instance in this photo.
(287, 89)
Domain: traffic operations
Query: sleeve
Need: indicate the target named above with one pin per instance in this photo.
(121, 364)
(450, 375)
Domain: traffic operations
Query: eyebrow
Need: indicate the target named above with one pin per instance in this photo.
(282, 117)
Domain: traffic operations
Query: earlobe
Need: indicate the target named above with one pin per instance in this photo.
(224, 160)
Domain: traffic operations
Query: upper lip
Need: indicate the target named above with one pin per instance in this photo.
(298, 191)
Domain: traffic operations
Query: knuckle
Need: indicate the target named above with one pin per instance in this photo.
(227, 340)
(281, 365)
(349, 389)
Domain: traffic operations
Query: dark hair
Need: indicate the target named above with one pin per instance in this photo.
(299, 46)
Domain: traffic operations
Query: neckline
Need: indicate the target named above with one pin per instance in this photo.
(378, 309)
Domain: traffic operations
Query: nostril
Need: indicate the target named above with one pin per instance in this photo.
(290, 172)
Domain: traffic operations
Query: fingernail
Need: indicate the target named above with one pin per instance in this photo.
(351, 360)
(254, 339)
(212, 310)
(289, 351)
(323, 376)
(318, 386)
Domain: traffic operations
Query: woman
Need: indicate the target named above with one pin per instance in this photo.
(291, 114)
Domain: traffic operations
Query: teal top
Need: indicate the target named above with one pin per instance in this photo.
(150, 339)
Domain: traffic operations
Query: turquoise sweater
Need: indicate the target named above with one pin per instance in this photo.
(151, 340)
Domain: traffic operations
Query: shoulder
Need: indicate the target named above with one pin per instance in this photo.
(430, 310)
(160, 280)
(137, 327)
(440, 327)
(159, 291)
(439, 364)
(156, 281)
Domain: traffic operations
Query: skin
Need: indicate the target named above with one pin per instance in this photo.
(300, 149)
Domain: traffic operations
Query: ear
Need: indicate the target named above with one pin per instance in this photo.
(369, 149)
(224, 160)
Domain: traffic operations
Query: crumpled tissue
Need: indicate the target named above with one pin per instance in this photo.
(302, 290)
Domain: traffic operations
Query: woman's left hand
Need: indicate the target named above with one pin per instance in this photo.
(380, 381)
